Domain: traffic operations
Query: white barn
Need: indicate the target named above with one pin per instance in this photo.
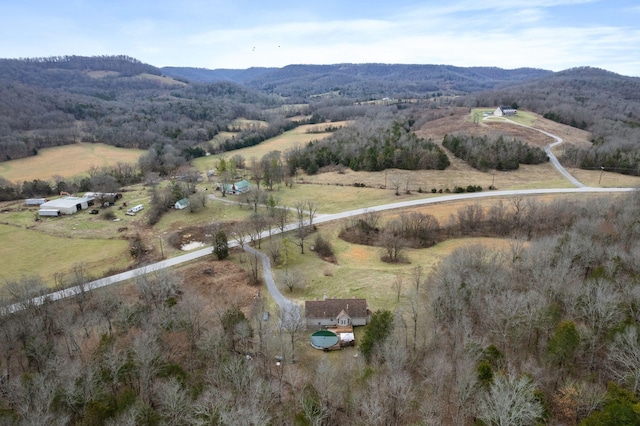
(65, 205)
(505, 111)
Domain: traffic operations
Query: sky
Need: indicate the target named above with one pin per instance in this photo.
(239, 34)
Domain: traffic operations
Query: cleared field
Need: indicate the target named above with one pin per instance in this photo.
(287, 140)
(66, 161)
(28, 253)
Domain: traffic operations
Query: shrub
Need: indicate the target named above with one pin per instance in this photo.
(220, 246)
(323, 247)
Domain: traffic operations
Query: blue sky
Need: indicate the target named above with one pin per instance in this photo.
(549, 34)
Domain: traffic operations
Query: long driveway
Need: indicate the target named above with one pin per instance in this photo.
(284, 303)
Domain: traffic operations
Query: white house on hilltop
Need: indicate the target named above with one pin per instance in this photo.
(505, 111)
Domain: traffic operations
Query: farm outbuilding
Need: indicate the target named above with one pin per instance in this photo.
(236, 188)
(181, 204)
(103, 197)
(35, 201)
(65, 205)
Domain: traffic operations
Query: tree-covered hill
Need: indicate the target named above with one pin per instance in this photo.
(116, 100)
(604, 103)
(364, 80)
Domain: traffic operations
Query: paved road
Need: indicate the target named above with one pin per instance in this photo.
(552, 157)
(284, 303)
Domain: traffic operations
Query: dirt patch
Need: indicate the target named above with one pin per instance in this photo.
(357, 253)
(202, 235)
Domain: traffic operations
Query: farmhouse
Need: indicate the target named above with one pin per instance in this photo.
(181, 204)
(505, 111)
(64, 205)
(337, 312)
(236, 188)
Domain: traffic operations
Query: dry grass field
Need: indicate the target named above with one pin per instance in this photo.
(290, 139)
(66, 161)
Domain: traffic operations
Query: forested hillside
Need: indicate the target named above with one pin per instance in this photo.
(364, 81)
(115, 100)
(604, 103)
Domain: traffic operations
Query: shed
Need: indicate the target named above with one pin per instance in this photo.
(181, 204)
(35, 201)
(337, 312)
(66, 205)
(48, 212)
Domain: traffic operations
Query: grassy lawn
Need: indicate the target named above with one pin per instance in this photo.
(27, 253)
(523, 117)
(66, 161)
(359, 272)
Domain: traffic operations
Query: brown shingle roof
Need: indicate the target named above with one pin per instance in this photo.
(330, 308)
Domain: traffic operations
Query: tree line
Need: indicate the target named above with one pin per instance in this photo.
(98, 179)
(370, 144)
(484, 153)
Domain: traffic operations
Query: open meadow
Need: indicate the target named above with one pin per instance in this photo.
(289, 139)
(27, 253)
(66, 161)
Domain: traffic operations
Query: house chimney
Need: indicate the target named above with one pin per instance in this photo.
(325, 296)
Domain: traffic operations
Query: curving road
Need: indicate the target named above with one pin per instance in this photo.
(284, 304)
(550, 154)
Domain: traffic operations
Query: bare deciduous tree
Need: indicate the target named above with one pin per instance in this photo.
(292, 322)
(292, 280)
(624, 358)
(510, 401)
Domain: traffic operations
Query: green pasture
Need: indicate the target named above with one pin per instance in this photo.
(26, 252)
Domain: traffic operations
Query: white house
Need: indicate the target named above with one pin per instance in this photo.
(505, 111)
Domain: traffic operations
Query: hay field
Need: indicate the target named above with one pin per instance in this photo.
(45, 255)
(66, 161)
(290, 139)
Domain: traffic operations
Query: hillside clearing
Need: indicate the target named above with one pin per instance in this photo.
(66, 161)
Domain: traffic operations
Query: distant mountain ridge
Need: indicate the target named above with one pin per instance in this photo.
(362, 80)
